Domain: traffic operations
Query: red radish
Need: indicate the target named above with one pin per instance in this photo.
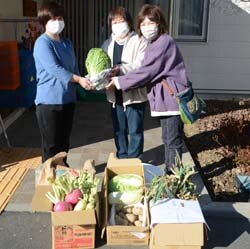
(62, 206)
(74, 196)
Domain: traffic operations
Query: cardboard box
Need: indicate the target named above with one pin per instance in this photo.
(177, 236)
(75, 229)
(123, 235)
(49, 167)
(176, 224)
(71, 229)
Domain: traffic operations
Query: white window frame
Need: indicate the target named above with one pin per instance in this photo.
(175, 24)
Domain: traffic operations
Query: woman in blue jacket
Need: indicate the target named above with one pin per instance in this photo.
(57, 76)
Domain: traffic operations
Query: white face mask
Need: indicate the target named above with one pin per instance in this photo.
(55, 26)
(150, 32)
(120, 30)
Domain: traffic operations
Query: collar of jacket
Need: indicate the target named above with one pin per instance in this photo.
(132, 33)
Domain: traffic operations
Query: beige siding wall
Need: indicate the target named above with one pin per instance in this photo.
(222, 65)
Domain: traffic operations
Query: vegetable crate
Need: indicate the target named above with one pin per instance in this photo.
(70, 229)
(123, 234)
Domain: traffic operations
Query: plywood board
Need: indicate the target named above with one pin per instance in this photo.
(14, 165)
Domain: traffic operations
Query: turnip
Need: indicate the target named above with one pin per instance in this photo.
(90, 206)
(74, 196)
(59, 205)
(62, 206)
(81, 205)
(77, 191)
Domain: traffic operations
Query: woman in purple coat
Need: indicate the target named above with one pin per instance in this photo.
(162, 61)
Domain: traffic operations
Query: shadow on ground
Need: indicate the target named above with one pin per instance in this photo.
(92, 124)
(228, 233)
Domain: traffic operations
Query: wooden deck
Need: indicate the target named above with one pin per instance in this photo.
(14, 165)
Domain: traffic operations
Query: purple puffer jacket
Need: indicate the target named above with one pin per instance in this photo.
(162, 60)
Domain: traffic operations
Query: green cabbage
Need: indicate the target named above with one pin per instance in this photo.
(125, 198)
(125, 182)
(97, 60)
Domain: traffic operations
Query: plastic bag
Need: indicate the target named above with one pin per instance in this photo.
(100, 80)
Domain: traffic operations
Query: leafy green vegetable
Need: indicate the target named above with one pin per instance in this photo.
(176, 185)
(125, 198)
(84, 183)
(97, 60)
(125, 182)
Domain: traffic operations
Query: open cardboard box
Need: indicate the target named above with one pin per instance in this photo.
(47, 169)
(71, 229)
(116, 234)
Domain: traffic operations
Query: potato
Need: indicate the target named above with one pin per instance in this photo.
(140, 217)
(118, 208)
(122, 215)
(127, 210)
(137, 210)
(121, 221)
(131, 217)
(138, 223)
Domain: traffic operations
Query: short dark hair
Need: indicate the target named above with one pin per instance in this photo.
(49, 10)
(120, 11)
(154, 14)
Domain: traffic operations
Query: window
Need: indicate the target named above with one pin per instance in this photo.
(190, 20)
